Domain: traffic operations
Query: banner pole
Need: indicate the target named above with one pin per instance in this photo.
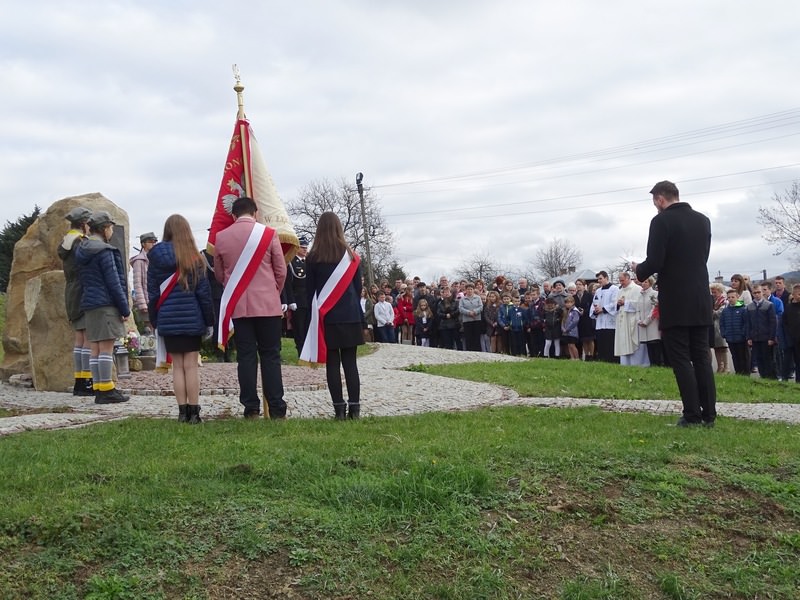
(243, 134)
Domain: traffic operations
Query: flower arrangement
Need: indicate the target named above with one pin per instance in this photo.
(131, 343)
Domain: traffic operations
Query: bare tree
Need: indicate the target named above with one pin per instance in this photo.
(557, 258)
(324, 196)
(782, 222)
(478, 266)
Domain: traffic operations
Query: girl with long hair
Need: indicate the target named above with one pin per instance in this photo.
(343, 320)
(183, 312)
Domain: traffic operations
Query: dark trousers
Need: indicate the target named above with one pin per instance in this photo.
(791, 356)
(346, 358)
(517, 340)
(385, 334)
(786, 361)
(764, 355)
(258, 340)
(605, 345)
(740, 353)
(472, 335)
(655, 353)
(299, 328)
(690, 358)
(447, 339)
(535, 342)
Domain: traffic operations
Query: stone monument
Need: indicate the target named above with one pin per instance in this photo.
(37, 337)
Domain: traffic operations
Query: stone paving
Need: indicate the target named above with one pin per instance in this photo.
(387, 390)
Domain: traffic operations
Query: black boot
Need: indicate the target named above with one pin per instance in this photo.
(340, 411)
(355, 411)
(83, 387)
(183, 413)
(112, 396)
(193, 412)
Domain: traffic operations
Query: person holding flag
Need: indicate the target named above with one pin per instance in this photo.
(336, 327)
(250, 264)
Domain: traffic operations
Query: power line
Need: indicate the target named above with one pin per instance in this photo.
(761, 123)
(600, 193)
(600, 205)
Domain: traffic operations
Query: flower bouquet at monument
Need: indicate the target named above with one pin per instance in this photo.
(131, 343)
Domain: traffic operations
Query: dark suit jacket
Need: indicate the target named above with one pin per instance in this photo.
(677, 249)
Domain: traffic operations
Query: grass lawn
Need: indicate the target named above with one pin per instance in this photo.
(575, 379)
(496, 503)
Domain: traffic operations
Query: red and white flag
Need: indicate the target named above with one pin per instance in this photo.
(246, 174)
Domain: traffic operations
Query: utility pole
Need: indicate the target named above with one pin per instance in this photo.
(360, 186)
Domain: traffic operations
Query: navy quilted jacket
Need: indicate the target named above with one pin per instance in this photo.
(102, 276)
(184, 312)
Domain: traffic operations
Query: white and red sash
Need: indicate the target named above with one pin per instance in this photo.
(163, 360)
(241, 276)
(314, 348)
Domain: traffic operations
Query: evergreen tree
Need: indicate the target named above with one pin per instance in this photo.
(9, 236)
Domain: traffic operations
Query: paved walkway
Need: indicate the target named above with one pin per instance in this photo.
(387, 390)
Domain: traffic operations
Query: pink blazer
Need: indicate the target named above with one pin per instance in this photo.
(262, 298)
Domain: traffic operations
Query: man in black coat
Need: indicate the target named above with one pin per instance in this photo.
(677, 249)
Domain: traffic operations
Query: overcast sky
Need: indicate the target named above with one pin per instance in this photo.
(483, 127)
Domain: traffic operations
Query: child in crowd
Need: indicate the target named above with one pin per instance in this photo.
(733, 327)
(404, 315)
(552, 328)
(535, 322)
(447, 316)
(384, 319)
(513, 320)
(503, 323)
(490, 310)
(423, 323)
(569, 327)
(762, 334)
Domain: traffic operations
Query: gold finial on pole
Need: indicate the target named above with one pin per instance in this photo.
(239, 88)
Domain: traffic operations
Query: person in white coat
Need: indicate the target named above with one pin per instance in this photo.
(604, 312)
(649, 335)
(626, 336)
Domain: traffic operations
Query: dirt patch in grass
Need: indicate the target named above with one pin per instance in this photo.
(16, 412)
(265, 578)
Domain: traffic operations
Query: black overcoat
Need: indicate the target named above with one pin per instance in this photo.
(677, 250)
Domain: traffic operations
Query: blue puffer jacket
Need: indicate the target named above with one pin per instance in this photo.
(102, 276)
(184, 312)
(733, 324)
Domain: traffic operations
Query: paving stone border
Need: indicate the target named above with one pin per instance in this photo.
(387, 390)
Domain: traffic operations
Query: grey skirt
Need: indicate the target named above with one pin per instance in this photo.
(104, 323)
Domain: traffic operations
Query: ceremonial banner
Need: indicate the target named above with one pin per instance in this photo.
(246, 174)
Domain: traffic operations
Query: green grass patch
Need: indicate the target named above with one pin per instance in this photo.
(496, 503)
(575, 379)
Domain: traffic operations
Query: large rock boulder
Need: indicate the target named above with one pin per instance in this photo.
(50, 336)
(35, 254)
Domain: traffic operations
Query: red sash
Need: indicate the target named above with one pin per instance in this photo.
(243, 271)
(315, 350)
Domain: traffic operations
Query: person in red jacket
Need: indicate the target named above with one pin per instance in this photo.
(404, 315)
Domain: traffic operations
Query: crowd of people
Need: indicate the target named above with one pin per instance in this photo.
(248, 293)
(585, 320)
